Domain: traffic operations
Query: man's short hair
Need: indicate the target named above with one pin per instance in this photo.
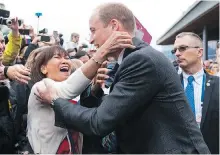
(118, 11)
(80, 54)
(191, 34)
(70, 50)
(74, 35)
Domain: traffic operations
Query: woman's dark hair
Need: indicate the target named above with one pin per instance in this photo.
(42, 57)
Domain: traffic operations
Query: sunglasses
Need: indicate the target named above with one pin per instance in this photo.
(182, 49)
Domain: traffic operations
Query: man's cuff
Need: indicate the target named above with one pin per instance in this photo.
(59, 122)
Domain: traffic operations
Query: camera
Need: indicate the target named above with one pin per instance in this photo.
(45, 38)
(4, 18)
(44, 31)
(24, 31)
(4, 13)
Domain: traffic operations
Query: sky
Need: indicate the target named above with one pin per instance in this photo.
(68, 16)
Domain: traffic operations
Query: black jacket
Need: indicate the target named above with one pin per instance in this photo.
(210, 113)
(6, 123)
(146, 107)
(19, 95)
(28, 51)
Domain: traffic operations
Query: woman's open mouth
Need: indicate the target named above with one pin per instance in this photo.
(64, 69)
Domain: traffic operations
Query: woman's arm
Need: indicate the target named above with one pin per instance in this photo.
(80, 79)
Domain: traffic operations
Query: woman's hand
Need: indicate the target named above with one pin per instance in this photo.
(115, 43)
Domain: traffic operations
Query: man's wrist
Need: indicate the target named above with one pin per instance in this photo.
(99, 57)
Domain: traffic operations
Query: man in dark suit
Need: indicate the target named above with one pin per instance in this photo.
(146, 106)
(92, 97)
(204, 99)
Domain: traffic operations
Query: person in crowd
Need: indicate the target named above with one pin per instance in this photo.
(215, 69)
(36, 43)
(207, 66)
(76, 63)
(54, 63)
(17, 72)
(14, 44)
(72, 52)
(82, 55)
(201, 88)
(146, 107)
(61, 39)
(20, 57)
(6, 122)
(74, 41)
(19, 95)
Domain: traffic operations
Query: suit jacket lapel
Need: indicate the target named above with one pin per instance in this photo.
(208, 92)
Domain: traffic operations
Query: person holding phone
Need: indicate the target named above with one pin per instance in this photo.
(39, 41)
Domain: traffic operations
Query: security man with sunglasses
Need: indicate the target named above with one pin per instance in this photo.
(201, 89)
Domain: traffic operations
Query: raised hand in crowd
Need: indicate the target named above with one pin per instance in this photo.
(15, 27)
(35, 40)
(31, 33)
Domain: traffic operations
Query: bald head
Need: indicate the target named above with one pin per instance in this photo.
(108, 11)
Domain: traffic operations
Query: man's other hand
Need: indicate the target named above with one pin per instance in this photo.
(46, 91)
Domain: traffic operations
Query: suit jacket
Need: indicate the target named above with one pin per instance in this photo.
(210, 113)
(146, 107)
(93, 144)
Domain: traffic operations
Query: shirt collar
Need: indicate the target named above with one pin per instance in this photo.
(196, 76)
(120, 57)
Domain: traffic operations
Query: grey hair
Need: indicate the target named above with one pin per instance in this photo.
(73, 34)
(192, 35)
(109, 11)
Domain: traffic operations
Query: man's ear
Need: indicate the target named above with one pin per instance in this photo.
(43, 70)
(200, 52)
(115, 24)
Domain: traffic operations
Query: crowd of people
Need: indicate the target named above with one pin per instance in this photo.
(122, 96)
